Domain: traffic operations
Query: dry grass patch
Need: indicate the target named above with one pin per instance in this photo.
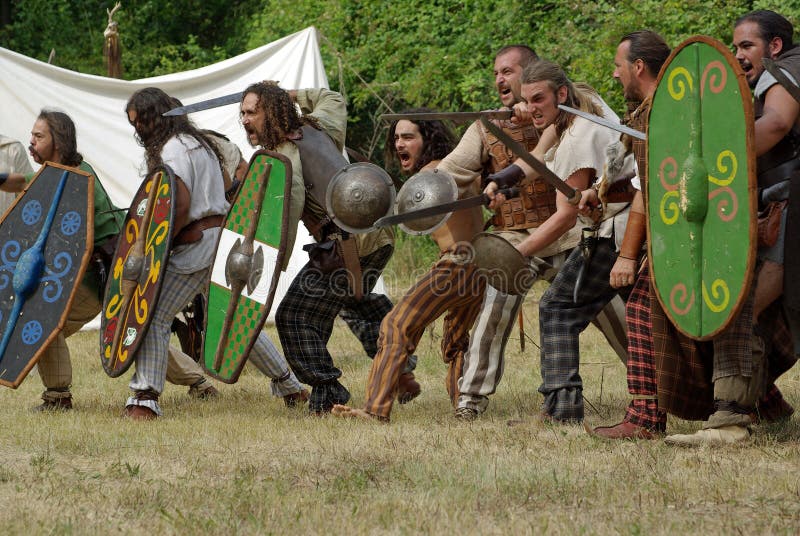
(244, 464)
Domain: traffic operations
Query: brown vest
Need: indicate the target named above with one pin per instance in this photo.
(537, 199)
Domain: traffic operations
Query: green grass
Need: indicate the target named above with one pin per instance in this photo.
(244, 464)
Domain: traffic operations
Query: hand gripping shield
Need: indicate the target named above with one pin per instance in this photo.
(701, 188)
(247, 266)
(45, 244)
(137, 271)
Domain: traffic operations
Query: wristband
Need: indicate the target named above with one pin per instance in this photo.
(3, 178)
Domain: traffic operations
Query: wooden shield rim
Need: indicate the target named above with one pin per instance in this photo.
(119, 371)
(79, 275)
(749, 116)
(287, 200)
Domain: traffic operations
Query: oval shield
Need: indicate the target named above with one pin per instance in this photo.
(701, 188)
(137, 271)
(247, 266)
(45, 244)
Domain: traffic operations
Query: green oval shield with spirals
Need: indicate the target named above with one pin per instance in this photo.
(701, 188)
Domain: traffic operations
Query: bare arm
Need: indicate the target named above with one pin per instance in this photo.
(562, 221)
(781, 112)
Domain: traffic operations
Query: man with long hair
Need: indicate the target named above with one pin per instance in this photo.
(343, 268)
(177, 143)
(448, 287)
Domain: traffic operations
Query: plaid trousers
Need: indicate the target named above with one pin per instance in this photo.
(151, 357)
(268, 359)
(643, 408)
(449, 286)
(305, 318)
(561, 321)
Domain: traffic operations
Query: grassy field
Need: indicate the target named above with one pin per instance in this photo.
(244, 464)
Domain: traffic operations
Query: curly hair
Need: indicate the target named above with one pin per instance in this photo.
(579, 95)
(153, 130)
(437, 141)
(280, 114)
(62, 129)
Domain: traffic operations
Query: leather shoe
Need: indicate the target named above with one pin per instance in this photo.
(624, 430)
(59, 404)
(407, 388)
(466, 414)
(300, 397)
(139, 413)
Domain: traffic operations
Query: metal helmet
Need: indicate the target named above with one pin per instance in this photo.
(428, 188)
(505, 268)
(358, 195)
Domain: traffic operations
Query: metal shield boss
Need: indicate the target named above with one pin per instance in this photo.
(700, 188)
(425, 189)
(358, 195)
(505, 268)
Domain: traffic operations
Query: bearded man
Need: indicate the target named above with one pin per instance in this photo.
(320, 291)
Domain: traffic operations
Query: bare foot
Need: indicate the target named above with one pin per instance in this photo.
(346, 412)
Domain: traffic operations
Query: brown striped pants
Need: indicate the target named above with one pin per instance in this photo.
(450, 286)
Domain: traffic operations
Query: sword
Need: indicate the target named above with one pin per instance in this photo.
(605, 122)
(461, 204)
(454, 116)
(206, 104)
(572, 195)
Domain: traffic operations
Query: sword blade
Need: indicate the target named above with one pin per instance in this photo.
(605, 122)
(216, 102)
(453, 116)
(461, 204)
(569, 192)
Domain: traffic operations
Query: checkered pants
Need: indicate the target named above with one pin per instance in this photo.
(305, 318)
(268, 359)
(561, 322)
(151, 357)
(448, 287)
(643, 409)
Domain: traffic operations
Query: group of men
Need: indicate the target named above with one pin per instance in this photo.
(308, 127)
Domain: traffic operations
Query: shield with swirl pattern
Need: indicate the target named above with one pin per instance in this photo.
(701, 188)
(45, 245)
(137, 271)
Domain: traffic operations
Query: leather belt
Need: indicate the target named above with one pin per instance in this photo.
(193, 232)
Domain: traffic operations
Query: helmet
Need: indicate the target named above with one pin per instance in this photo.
(358, 195)
(506, 268)
(428, 188)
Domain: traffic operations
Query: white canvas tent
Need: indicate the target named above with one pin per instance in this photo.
(96, 105)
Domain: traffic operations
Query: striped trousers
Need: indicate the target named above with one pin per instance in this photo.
(449, 286)
(484, 360)
(151, 357)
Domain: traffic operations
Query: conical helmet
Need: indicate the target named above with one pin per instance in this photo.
(428, 188)
(358, 195)
(505, 268)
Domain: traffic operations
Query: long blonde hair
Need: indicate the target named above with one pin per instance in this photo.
(579, 95)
